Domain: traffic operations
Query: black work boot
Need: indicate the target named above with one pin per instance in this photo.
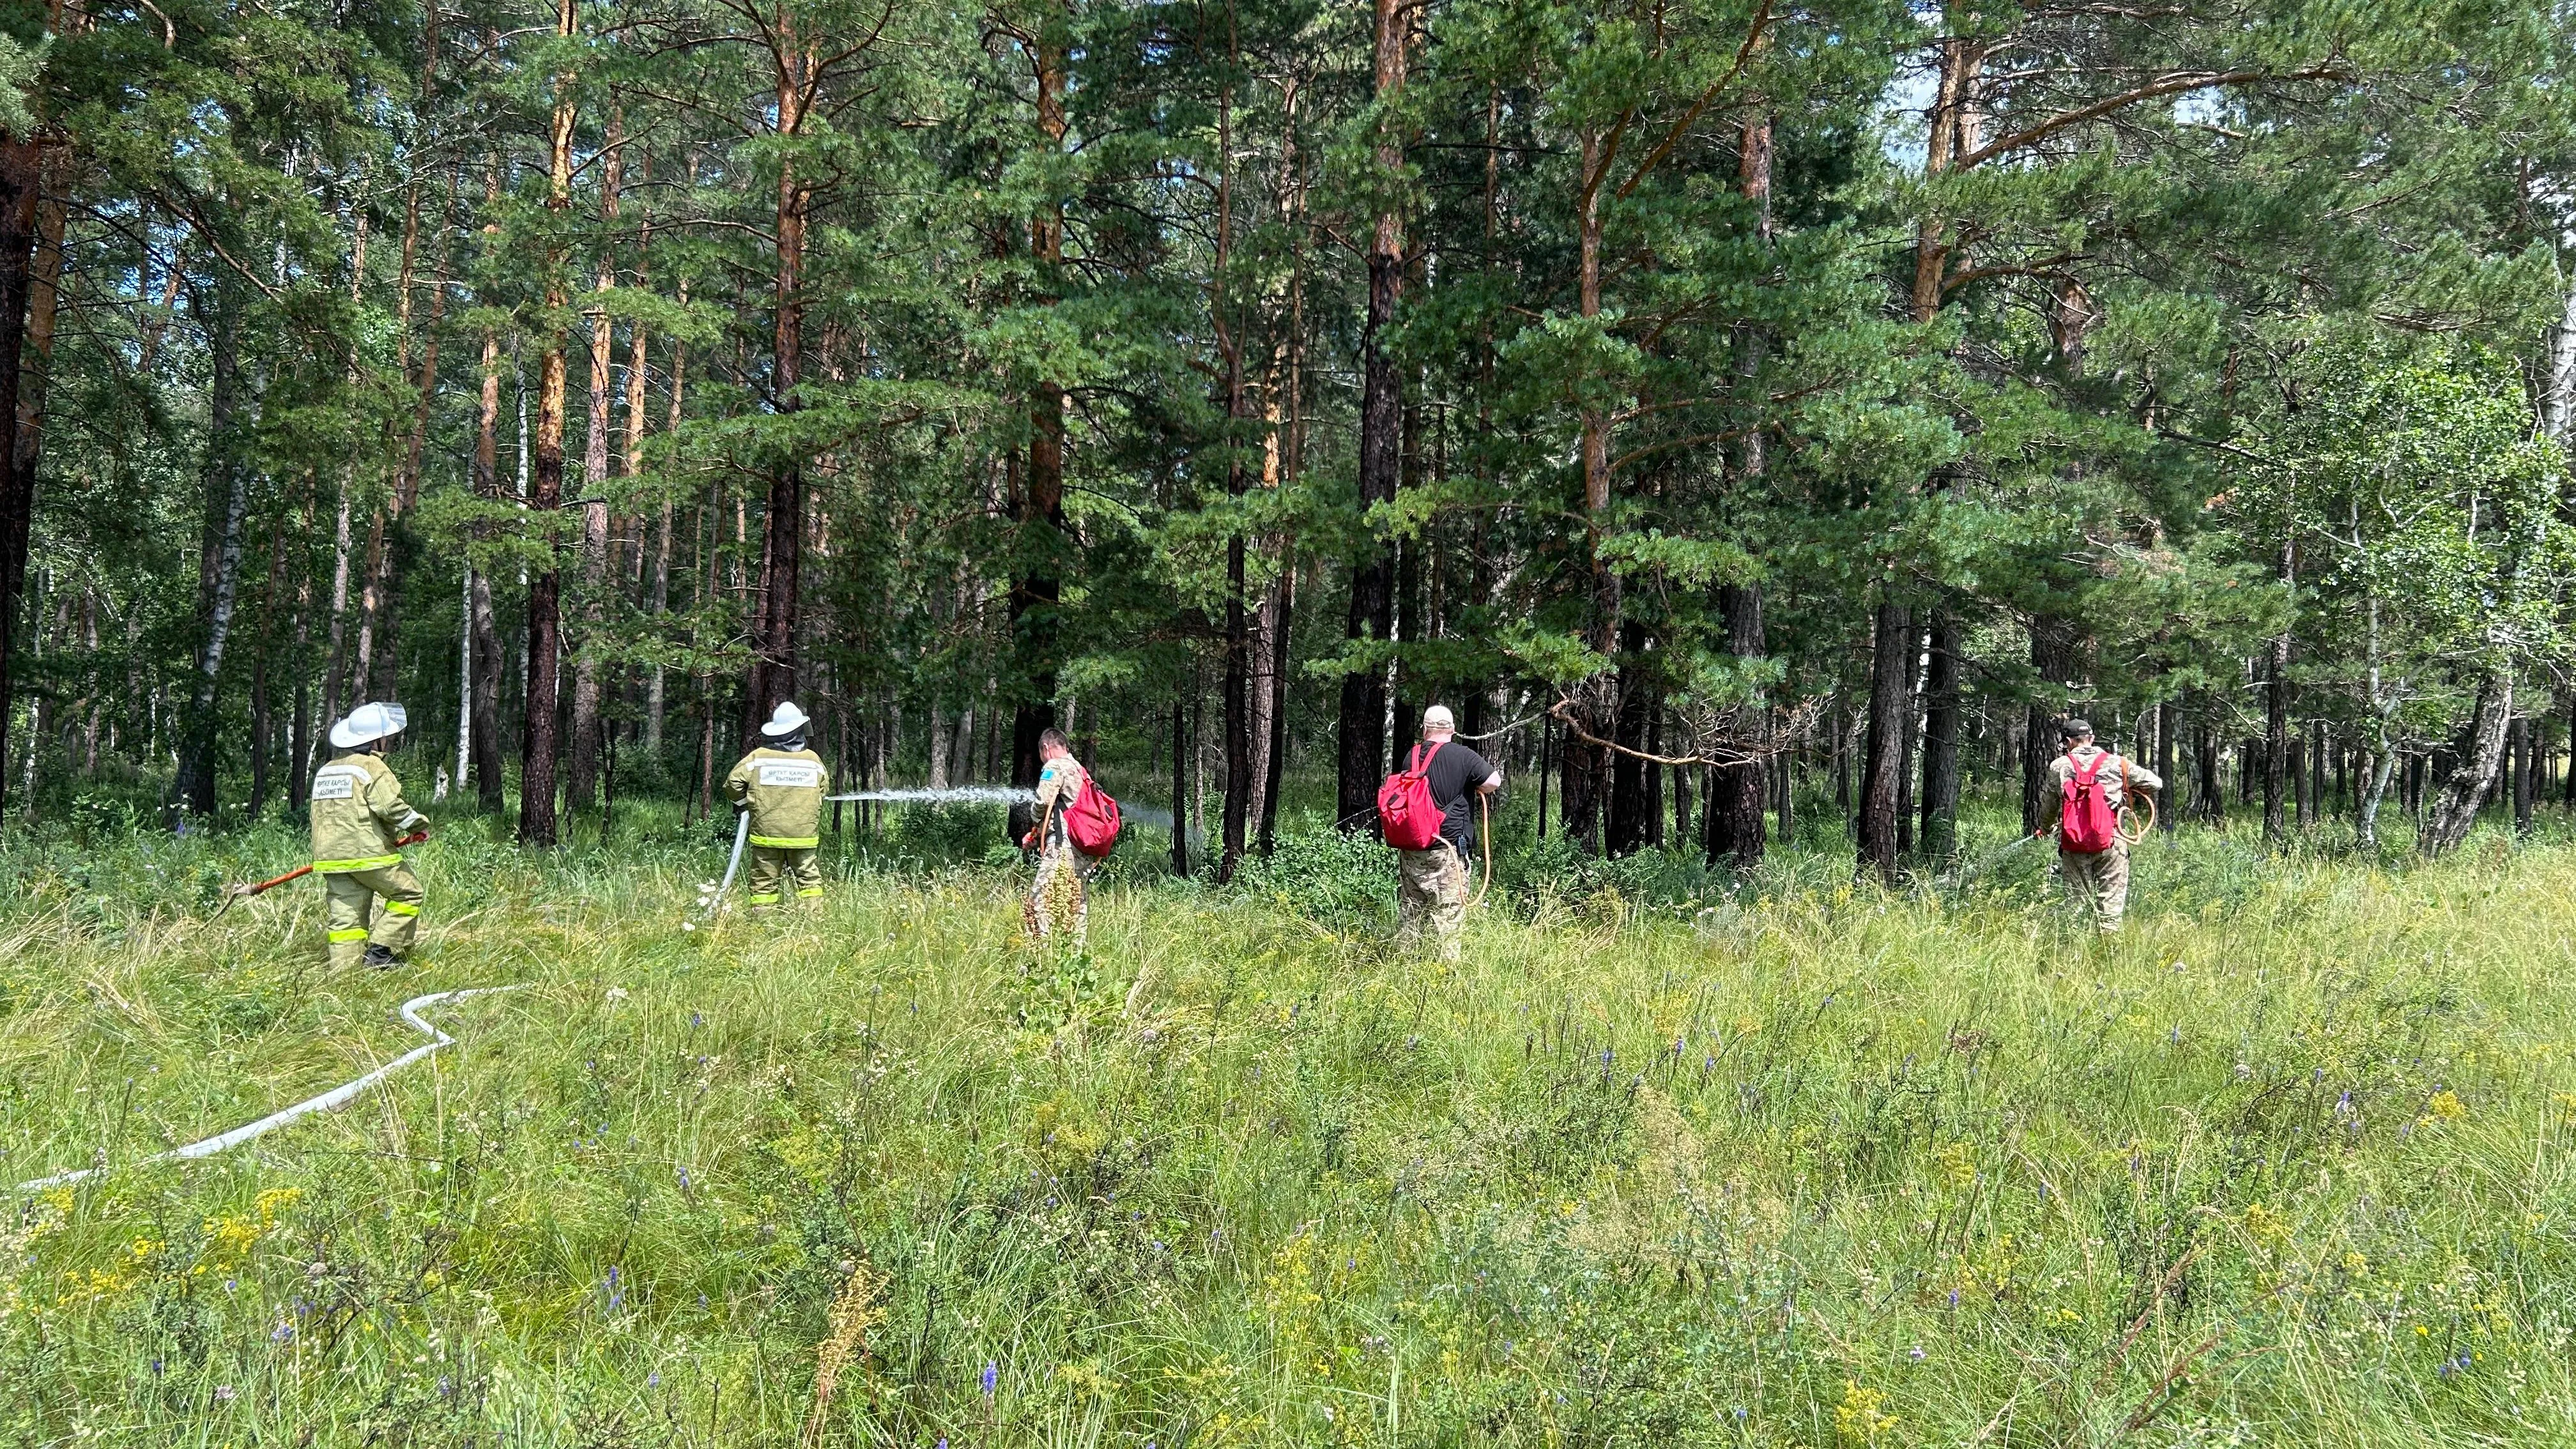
(382, 959)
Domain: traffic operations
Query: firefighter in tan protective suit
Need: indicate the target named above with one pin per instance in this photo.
(360, 820)
(782, 785)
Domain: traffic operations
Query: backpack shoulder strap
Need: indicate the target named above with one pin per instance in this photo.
(1422, 759)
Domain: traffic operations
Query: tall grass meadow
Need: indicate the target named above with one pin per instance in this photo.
(1671, 1157)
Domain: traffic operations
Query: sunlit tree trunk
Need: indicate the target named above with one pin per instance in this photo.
(1889, 762)
(581, 766)
(658, 572)
(774, 631)
(1283, 597)
(540, 746)
(1227, 316)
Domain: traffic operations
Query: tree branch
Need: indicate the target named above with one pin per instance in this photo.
(1690, 118)
(2162, 86)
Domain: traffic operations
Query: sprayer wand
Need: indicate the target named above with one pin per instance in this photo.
(244, 892)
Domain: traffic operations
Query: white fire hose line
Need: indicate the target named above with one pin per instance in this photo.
(335, 1097)
(952, 795)
(715, 902)
(997, 795)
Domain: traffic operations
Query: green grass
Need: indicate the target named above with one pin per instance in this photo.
(1663, 1163)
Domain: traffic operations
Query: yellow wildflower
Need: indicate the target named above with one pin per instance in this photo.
(1861, 1418)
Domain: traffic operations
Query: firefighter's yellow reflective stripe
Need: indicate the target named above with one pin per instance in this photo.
(401, 908)
(343, 867)
(353, 933)
(788, 842)
(811, 891)
(764, 898)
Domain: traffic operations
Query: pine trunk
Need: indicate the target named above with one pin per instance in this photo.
(2277, 758)
(227, 485)
(2054, 658)
(1275, 766)
(1626, 825)
(1180, 791)
(21, 171)
(540, 744)
(1735, 795)
(1940, 839)
(1236, 816)
(1891, 689)
(262, 716)
(1036, 580)
(1361, 730)
(582, 764)
(1587, 766)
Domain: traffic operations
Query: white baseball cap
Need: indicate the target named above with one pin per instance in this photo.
(367, 723)
(787, 721)
(1437, 717)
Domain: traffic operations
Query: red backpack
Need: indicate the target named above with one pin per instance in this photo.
(2086, 825)
(1406, 813)
(1091, 821)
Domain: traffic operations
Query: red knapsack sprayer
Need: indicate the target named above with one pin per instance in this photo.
(1406, 814)
(2086, 824)
(1091, 822)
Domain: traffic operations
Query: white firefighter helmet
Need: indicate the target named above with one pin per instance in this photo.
(789, 720)
(367, 723)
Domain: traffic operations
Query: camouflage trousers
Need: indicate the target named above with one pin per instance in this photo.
(1060, 898)
(1431, 887)
(2098, 883)
(356, 924)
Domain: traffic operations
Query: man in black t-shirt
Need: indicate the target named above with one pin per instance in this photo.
(1432, 883)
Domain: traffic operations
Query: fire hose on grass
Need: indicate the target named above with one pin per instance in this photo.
(741, 833)
(338, 1096)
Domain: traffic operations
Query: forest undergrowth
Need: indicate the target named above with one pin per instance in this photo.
(1660, 1162)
